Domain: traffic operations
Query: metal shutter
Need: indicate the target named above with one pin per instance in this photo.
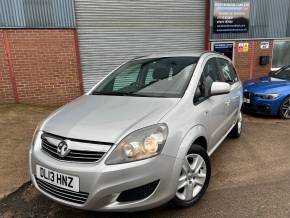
(113, 31)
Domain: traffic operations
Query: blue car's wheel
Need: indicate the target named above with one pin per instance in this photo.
(285, 109)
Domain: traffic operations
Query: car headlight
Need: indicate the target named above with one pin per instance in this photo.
(36, 135)
(141, 144)
(267, 96)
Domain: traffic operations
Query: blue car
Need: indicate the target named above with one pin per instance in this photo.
(269, 95)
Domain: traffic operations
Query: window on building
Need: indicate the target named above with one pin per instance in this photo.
(281, 54)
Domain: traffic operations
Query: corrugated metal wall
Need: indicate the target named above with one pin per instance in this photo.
(288, 27)
(113, 31)
(268, 19)
(37, 14)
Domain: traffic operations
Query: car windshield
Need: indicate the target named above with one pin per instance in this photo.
(283, 73)
(158, 77)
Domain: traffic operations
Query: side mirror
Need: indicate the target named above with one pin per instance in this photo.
(220, 88)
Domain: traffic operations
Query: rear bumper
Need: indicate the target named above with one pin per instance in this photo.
(104, 183)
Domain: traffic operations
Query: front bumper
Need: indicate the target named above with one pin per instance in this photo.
(104, 183)
(262, 106)
(258, 108)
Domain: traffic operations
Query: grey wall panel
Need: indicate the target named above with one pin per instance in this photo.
(113, 31)
(37, 14)
(288, 26)
(268, 19)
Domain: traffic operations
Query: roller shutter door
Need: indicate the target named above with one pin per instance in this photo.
(113, 31)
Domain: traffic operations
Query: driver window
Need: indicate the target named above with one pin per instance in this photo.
(209, 75)
(227, 70)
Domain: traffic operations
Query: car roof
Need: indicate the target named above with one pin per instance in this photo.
(178, 54)
(203, 54)
(171, 54)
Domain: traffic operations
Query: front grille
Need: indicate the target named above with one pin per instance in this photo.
(78, 156)
(138, 193)
(71, 196)
(74, 155)
(264, 109)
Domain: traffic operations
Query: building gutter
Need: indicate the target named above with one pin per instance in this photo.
(77, 51)
(248, 39)
(207, 26)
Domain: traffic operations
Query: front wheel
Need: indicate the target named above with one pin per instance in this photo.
(285, 109)
(194, 178)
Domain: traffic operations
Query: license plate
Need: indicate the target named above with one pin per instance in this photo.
(246, 100)
(61, 180)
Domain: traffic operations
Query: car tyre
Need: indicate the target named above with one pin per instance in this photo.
(237, 130)
(285, 108)
(194, 178)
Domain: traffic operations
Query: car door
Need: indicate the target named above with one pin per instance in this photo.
(214, 107)
(229, 75)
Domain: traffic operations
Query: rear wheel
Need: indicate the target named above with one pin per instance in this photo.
(237, 130)
(194, 178)
(285, 109)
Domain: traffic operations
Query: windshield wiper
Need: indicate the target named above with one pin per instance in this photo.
(120, 94)
(138, 95)
(110, 93)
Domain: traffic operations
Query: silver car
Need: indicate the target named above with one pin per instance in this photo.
(142, 136)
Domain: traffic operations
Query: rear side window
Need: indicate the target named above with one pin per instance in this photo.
(227, 71)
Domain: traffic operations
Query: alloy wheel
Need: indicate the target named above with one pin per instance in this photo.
(192, 177)
(286, 109)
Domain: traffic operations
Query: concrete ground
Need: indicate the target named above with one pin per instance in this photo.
(17, 124)
(250, 178)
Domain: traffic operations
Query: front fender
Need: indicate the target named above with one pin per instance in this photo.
(186, 142)
(194, 133)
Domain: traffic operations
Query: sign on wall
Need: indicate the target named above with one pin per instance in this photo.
(265, 45)
(243, 47)
(224, 48)
(231, 17)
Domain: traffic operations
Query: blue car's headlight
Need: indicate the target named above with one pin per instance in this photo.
(267, 96)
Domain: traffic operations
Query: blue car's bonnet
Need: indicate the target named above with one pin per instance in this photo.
(268, 85)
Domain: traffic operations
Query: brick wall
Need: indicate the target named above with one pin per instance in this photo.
(6, 93)
(44, 63)
(247, 63)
